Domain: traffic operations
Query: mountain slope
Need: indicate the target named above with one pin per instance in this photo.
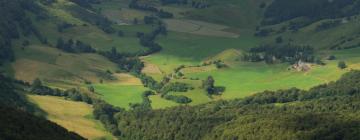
(18, 124)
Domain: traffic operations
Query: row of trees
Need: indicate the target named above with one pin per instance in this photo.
(74, 47)
(194, 3)
(62, 26)
(135, 4)
(209, 85)
(125, 61)
(86, 3)
(164, 88)
(166, 2)
(280, 52)
(178, 98)
(75, 95)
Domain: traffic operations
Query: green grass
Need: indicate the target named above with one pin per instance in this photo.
(248, 78)
(119, 11)
(89, 34)
(187, 49)
(242, 79)
(93, 36)
(58, 68)
(159, 103)
(120, 96)
(198, 27)
(244, 14)
(324, 39)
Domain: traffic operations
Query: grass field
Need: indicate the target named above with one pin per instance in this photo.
(54, 66)
(119, 11)
(84, 31)
(93, 36)
(74, 116)
(246, 79)
(187, 49)
(241, 79)
(121, 92)
(120, 96)
(198, 27)
(244, 14)
(158, 103)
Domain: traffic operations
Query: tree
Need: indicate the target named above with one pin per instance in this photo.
(135, 21)
(209, 84)
(342, 65)
(26, 43)
(91, 89)
(60, 43)
(279, 40)
(331, 57)
(36, 83)
(120, 33)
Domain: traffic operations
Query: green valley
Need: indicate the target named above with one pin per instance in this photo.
(183, 69)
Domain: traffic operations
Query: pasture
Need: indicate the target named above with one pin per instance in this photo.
(244, 79)
(187, 49)
(198, 28)
(241, 79)
(54, 66)
(74, 116)
(122, 92)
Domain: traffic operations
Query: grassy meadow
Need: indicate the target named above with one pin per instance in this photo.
(56, 67)
(127, 89)
(241, 79)
(74, 116)
(187, 49)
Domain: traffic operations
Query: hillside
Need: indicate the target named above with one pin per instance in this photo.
(17, 119)
(184, 69)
